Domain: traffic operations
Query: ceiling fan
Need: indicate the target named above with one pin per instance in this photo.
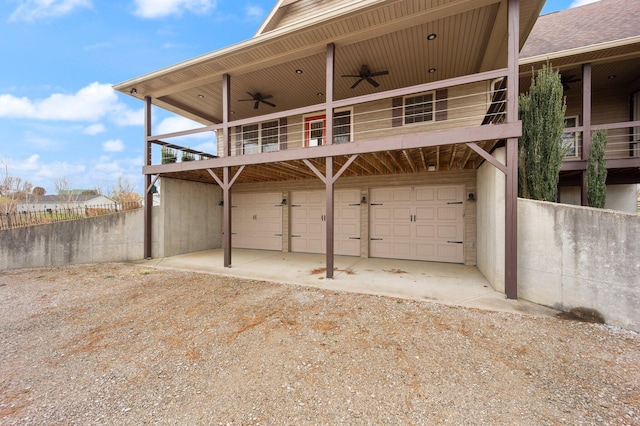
(366, 74)
(258, 98)
(565, 80)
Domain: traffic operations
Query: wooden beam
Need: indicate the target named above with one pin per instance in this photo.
(407, 155)
(423, 156)
(453, 156)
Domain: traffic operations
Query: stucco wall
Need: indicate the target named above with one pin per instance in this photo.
(110, 238)
(190, 218)
(621, 198)
(491, 214)
(578, 257)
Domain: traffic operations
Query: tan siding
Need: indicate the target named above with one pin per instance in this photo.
(612, 106)
(466, 178)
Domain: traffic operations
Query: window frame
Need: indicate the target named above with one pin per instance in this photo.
(432, 112)
(571, 137)
(260, 137)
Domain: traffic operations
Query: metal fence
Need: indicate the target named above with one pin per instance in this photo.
(19, 219)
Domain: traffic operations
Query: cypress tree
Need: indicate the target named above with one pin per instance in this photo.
(541, 151)
(597, 170)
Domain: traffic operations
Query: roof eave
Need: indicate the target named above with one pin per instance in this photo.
(579, 50)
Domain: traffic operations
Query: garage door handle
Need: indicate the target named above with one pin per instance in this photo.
(354, 238)
(296, 236)
(296, 205)
(357, 204)
(455, 202)
(277, 235)
(376, 239)
(376, 204)
(454, 242)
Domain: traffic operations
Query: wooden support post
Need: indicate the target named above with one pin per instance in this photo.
(511, 220)
(331, 49)
(329, 216)
(586, 124)
(511, 190)
(148, 195)
(226, 218)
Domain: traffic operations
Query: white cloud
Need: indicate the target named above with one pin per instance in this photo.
(113, 145)
(127, 117)
(33, 10)
(150, 9)
(94, 129)
(178, 124)
(254, 13)
(577, 3)
(91, 103)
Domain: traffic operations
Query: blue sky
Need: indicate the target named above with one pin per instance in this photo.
(59, 116)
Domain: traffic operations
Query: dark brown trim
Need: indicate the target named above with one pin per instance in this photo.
(226, 102)
(399, 142)
(397, 112)
(490, 158)
(283, 133)
(511, 221)
(441, 104)
(586, 124)
(148, 195)
(330, 66)
(511, 178)
(329, 214)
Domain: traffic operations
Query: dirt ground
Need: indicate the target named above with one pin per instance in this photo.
(123, 344)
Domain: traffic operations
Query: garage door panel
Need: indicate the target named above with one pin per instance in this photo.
(417, 223)
(401, 231)
(448, 231)
(308, 220)
(425, 231)
(425, 195)
(257, 221)
(425, 250)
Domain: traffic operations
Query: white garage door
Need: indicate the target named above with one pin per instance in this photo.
(257, 221)
(308, 222)
(418, 223)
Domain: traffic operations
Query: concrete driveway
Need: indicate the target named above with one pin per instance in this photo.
(451, 284)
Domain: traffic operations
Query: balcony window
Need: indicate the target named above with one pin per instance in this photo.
(262, 137)
(342, 126)
(570, 139)
(419, 108)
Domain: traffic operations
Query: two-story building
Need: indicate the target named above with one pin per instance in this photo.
(346, 127)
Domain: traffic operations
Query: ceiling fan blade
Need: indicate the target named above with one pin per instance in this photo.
(356, 83)
(256, 105)
(372, 82)
(379, 73)
(268, 103)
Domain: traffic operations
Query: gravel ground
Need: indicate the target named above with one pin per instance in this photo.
(122, 344)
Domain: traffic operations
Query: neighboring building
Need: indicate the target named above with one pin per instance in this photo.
(348, 127)
(59, 202)
(596, 47)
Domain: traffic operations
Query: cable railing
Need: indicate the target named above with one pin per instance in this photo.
(19, 218)
(465, 102)
(622, 142)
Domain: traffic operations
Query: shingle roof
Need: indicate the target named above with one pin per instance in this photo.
(591, 24)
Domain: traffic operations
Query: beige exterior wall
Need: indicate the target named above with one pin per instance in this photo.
(466, 106)
(466, 178)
